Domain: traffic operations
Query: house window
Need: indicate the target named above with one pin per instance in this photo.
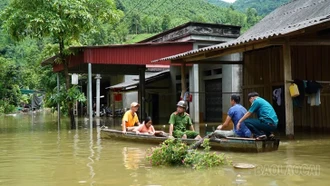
(208, 73)
(217, 71)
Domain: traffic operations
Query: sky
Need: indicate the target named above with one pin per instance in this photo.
(229, 1)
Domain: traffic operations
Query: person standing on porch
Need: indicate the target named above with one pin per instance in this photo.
(130, 118)
(267, 121)
(179, 121)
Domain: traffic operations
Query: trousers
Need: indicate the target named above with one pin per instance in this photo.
(258, 127)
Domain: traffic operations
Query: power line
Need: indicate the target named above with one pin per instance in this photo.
(120, 21)
(177, 5)
(144, 8)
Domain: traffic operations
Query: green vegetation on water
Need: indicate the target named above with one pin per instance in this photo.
(173, 152)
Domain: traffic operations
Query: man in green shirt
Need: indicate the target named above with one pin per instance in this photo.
(179, 121)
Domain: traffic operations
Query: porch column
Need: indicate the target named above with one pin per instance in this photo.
(58, 104)
(183, 79)
(289, 120)
(98, 79)
(141, 94)
(90, 97)
(195, 81)
(87, 96)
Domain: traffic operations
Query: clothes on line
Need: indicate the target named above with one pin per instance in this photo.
(312, 89)
(315, 99)
(277, 96)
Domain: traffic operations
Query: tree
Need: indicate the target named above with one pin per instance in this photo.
(199, 18)
(156, 25)
(166, 22)
(119, 5)
(146, 22)
(252, 16)
(63, 21)
(135, 23)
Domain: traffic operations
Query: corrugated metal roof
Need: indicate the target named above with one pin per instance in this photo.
(290, 17)
(150, 39)
(154, 49)
(133, 84)
(135, 54)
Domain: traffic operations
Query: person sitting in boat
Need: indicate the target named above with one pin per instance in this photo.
(267, 119)
(130, 118)
(235, 113)
(179, 121)
(146, 127)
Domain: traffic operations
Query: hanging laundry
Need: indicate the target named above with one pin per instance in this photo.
(299, 100)
(314, 90)
(277, 96)
(312, 87)
(315, 99)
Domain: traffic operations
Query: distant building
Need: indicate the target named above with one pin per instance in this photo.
(211, 82)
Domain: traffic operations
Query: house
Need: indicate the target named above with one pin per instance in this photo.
(207, 82)
(110, 65)
(292, 42)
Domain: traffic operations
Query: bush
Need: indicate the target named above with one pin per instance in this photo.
(173, 152)
(6, 107)
(63, 97)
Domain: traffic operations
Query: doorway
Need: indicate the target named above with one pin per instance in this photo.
(213, 100)
(154, 108)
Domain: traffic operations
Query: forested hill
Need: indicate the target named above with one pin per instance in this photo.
(159, 15)
(219, 3)
(263, 7)
(154, 16)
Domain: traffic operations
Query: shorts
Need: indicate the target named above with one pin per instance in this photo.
(190, 134)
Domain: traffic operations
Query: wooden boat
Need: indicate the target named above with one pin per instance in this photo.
(222, 144)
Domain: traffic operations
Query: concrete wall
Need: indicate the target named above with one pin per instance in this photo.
(232, 84)
(128, 98)
(164, 96)
(165, 107)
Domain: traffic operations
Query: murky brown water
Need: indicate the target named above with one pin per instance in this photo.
(33, 153)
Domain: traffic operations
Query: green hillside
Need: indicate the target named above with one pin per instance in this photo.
(263, 7)
(154, 16)
(219, 3)
(159, 15)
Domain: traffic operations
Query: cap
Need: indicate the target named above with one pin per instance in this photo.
(135, 104)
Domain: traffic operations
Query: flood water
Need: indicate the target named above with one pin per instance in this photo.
(33, 152)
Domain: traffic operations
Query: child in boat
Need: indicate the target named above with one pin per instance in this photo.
(146, 127)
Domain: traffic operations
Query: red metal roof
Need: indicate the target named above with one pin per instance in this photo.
(134, 54)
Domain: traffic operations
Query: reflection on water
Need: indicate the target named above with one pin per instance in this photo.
(132, 157)
(33, 152)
